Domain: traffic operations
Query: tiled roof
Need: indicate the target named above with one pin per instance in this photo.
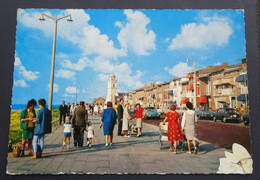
(210, 69)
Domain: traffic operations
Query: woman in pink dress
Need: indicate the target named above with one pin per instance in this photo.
(174, 129)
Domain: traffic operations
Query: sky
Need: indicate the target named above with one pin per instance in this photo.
(138, 46)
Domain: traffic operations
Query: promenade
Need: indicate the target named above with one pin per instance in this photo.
(127, 155)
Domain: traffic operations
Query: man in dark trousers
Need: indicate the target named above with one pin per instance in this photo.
(79, 122)
(63, 111)
(120, 112)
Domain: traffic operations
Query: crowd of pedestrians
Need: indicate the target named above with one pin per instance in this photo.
(74, 118)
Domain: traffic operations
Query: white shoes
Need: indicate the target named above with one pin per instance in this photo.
(106, 145)
(89, 145)
(110, 144)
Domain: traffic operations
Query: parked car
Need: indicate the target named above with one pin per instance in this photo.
(204, 113)
(226, 114)
(151, 113)
(246, 119)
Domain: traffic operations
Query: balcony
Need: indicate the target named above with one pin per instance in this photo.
(228, 92)
(244, 90)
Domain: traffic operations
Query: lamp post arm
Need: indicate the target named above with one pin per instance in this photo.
(49, 16)
(63, 17)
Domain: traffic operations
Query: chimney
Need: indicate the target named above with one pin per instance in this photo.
(225, 64)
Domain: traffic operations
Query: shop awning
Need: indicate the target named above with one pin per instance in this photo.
(190, 87)
(170, 92)
(242, 97)
(241, 78)
(183, 101)
(171, 102)
(191, 76)
(202, 99)
(223, 100)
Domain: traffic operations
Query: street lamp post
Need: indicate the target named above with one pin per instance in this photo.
(194, 81)
(77, 93)
(53, 52)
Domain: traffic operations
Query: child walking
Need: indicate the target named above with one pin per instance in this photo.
(67, 128)
(90, 134)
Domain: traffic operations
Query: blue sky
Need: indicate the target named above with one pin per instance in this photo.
(138, 46)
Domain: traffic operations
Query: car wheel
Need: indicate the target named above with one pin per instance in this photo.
(214, 119)
(224, 120)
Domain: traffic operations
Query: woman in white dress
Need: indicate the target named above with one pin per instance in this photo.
(189, 120)
(126, 118)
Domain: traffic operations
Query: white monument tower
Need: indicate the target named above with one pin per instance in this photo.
(111, 88)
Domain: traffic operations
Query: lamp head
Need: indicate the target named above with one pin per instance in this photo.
(42, 18)
(69, 19)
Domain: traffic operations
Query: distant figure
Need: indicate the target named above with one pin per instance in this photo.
(79, 121)
(188, 125)
(120, 113)
(96, 110)
(67, 128)
(68, 109)
(63, 111)
(72, 108)
(90, 134)
(242, 111)
(43, 118)
(108, 121)
(126, 118)
(27, 117)
(174, 129)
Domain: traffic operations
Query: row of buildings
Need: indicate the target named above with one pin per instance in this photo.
(217, 86)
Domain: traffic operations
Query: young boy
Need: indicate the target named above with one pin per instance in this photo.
(67, 128)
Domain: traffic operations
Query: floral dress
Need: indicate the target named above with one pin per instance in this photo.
(174, 129)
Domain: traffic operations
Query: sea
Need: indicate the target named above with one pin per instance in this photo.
(23, 106)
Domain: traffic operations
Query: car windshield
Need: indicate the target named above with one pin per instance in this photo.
(231, 111)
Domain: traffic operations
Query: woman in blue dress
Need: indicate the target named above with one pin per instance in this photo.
(108, 121)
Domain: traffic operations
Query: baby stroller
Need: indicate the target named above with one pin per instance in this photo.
(163, 139)
(132, 129)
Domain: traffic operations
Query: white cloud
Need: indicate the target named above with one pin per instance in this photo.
(20, 83)
(79, 66)
(87, 37)
(179, 70)
(28, 75)
(135, 35)
(66, 74)
(72, 90)
(211, 31)
(17, 61)
(55, 88)
(122, 71)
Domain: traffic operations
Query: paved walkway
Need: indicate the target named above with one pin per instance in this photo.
(127, 155)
